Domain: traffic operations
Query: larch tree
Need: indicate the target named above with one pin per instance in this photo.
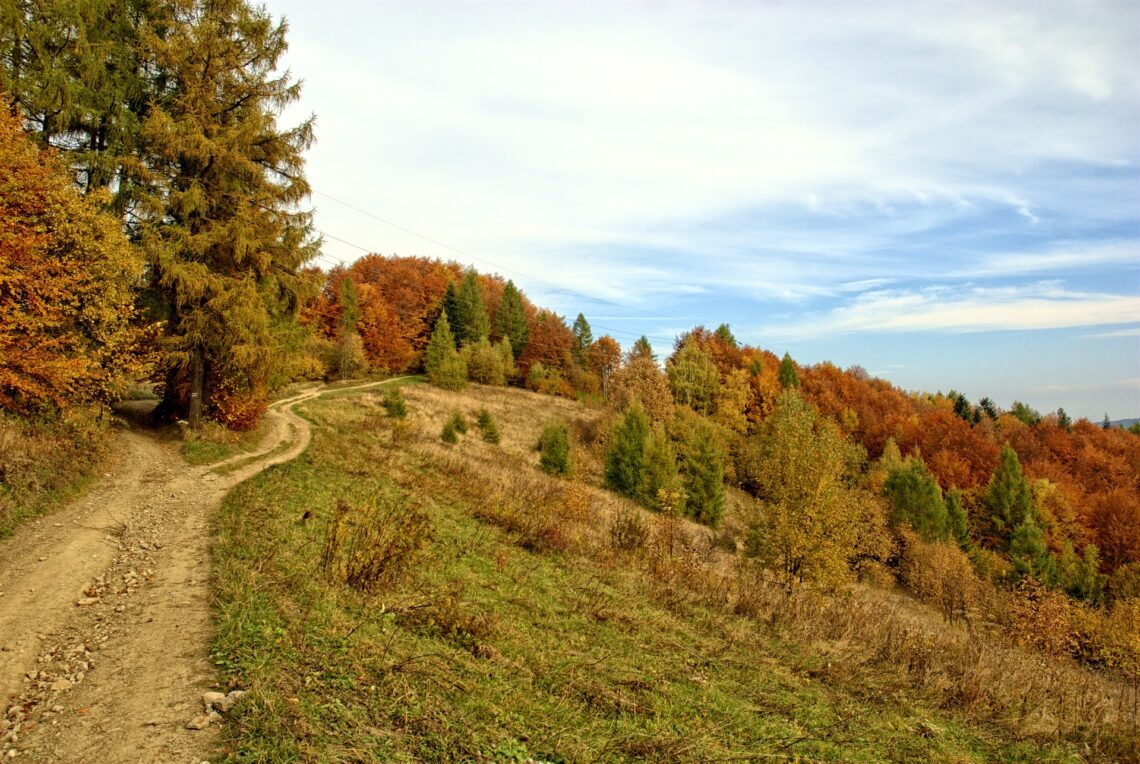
(604, 358)
(703, 471)
(81, 74)
(642, 349)
(221, 227)
(350, 348)
(725, 335)
(693, 378)
(805, 528)
(641, 381)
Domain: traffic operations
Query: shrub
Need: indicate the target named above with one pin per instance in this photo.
(554, 448)
(369, 547)
(1124, 584)
(485, 363)
(628, 530)
(394, 404)
(451, 374)
(941, 574)
(459, 422)
(488, 426)
(41, 457)
(545, 380)
(449, 433)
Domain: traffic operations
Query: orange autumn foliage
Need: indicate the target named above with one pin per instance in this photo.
(66, 272)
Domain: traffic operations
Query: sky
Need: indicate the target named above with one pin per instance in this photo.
(946, 194)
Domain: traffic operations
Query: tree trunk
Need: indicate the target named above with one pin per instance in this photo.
(197, 379)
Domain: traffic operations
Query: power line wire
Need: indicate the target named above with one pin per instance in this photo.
(464, 253)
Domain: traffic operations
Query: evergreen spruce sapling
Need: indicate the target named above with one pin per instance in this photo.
(1029, 554)
(449, 434)
(916, 499)
(473, 324)
(956, 520)
(395, 406)
(1008, 495)
(554, 449)
(442, 362)
(488, 427)
(458, 421)
(450, 308)
(625, 456)
(659, 471)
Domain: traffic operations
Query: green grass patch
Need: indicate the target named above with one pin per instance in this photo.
(214, 443)
(484, 651)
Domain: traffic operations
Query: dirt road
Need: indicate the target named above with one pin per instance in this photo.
(105, 621)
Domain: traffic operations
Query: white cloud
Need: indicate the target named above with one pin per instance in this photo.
(1119, 384)
(1133, 331)
(493, 126)
(1045, 305)
(1060, 256)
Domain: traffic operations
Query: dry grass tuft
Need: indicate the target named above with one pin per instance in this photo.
(369, 547)
(40, 461)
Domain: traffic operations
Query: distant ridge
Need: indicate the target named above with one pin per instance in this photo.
(1124, 423)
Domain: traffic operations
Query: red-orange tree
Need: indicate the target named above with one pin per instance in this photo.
(66, 272)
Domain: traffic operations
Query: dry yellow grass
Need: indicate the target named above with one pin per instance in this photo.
(869, 636)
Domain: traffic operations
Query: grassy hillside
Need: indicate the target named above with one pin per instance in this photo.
(522, 616)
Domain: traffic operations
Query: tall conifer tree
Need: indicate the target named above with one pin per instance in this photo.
(583, 338)
(510, 319)
(221, 228)
(473, 323)
(1008, 495)
(451, 308)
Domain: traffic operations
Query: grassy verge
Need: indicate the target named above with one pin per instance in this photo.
(44, 464)
(214, 443)
(498, 644)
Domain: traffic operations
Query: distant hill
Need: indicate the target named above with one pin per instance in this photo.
(1124, 423)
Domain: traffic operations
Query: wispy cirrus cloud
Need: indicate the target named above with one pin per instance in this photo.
(1132, 331)
(1044, 305)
